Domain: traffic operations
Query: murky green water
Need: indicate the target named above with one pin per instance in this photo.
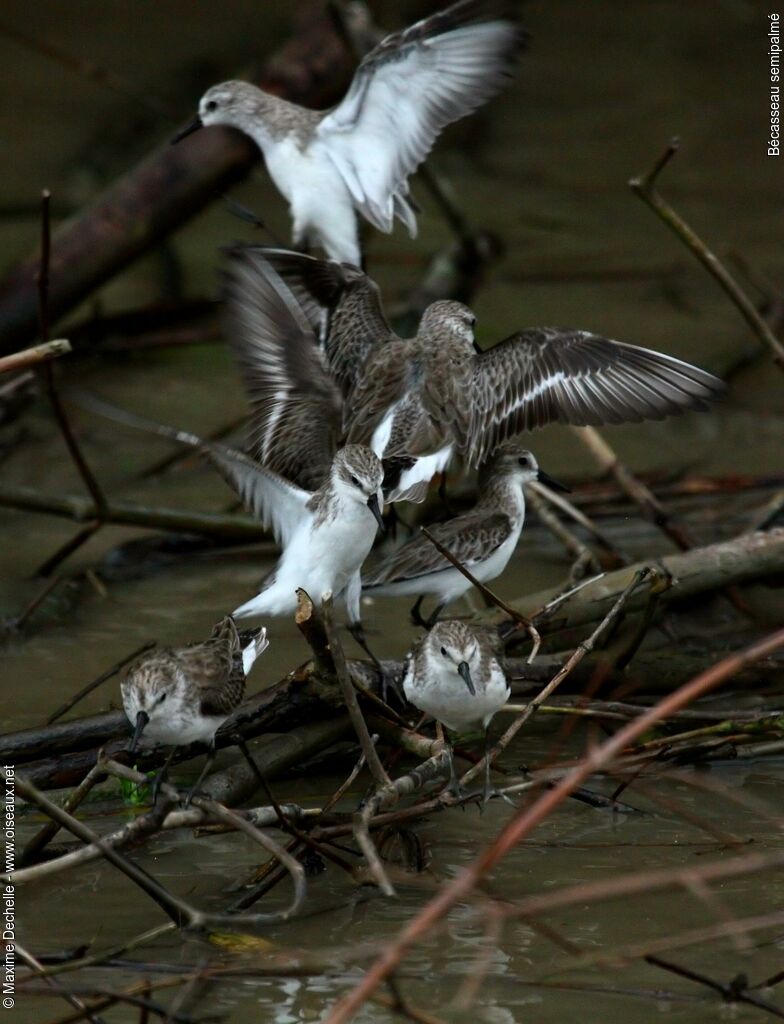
(601, 91)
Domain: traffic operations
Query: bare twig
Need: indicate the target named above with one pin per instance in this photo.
(36, 354)
(486, 592)
(644, 186)
(585, 647)
(46, 371)
(350, 696)
(72, 701)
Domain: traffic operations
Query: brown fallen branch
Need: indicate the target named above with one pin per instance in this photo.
(530, 816)
(744, 559)
(644, 186)
(638, 492)
(178, 910)
(232, 528)
(169, 186)
(37, 354)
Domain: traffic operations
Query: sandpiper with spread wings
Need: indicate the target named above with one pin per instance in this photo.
(316, 350)
(180, 695)
(360, 154)
(325, 533)
(482, 539)
(453, 673)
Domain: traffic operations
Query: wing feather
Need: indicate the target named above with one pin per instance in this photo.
(406, 90)
(471, 538)
(296, 407)
(549, 374)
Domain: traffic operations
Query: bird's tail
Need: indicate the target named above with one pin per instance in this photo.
(255, 642)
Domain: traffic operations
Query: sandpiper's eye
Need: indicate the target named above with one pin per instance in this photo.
(443, 651)
(162, 697)
(523, 460)
(354, 481)
(211, 106)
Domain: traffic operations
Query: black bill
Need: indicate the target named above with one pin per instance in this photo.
(189, 129)
(372, 504)
(142, 718)
(549, 481)
(465, 673)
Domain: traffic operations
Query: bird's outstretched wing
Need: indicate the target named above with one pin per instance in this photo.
(477, 537)
(277, 502)
(296, 407)
(342, 305)
(405, 91)
(549, 374)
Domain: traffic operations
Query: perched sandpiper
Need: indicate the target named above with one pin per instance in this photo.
(360, 154)
(482, 539)
(453, 674)
(180, 695)
(314, 345)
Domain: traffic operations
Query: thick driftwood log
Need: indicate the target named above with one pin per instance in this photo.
(168, 187)
(752, 556)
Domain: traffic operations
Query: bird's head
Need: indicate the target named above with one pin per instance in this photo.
(455, 648)
(357, 475)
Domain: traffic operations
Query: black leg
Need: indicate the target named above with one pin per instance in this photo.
(416, 613)
(453, 786)
(357, 631)
(433, 618)
(240, 742)
(489, 790)
(160, 776)
(203, 774)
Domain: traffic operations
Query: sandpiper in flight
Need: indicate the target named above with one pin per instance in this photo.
(359, 155)
(454, 675)
(182, 695)
(315, 349)
(483, 539)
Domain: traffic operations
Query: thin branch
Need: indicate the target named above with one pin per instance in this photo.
(584, 648)
(644, 186)
(98, 681)
(486, 592)
(230, 528)
(46, 371)
(36, 354)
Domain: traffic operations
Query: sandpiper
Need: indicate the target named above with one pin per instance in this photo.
(453, 674)
(180, 695)
(325, 534)
(313, 344)
(482, 539)
(360, 154)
